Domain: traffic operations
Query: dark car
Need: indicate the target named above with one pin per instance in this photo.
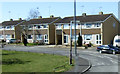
(108, 49)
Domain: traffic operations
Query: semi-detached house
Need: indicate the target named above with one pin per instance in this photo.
(96, 29)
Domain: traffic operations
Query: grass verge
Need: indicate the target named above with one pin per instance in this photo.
(18, 61)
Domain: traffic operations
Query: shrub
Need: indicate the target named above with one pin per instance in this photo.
(79, 40)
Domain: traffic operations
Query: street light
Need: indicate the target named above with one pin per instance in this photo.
(71, 42)
(75, 26)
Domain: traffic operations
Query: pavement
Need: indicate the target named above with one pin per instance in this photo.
(81, 65)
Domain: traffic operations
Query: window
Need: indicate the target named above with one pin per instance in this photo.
(88, 25)
(58, 26)
(73, 37)
(65, 38)
(7, 27)
(1, 27)
(12, 27)
(39, 37)
(1, 36)
(73, 26)
(8, 36)
(38, 26)
(29, 36)
(30, 27)
(88, 37)
(66, 26)
(45, 26)
(97, 25)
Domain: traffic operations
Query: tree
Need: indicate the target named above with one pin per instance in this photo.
(79, 40)
(33, 13)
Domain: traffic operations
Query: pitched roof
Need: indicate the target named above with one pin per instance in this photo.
(11, 22)
(87, 18)
(43, 20)
(32, 21)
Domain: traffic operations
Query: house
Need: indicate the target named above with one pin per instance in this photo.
(41, 30)
(10, 30)
(96, 29)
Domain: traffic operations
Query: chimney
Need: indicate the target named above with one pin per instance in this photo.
(11, 19)
(40, 17)
(20, 19)
(51, 16)
(84, 14)
(101, 13)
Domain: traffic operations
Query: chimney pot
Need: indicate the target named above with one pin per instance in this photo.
(51, 16)
(20, 19)
(101, 13)
(11, 19)
(83, 14)
(40, 17)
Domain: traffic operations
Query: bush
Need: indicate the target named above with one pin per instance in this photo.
(79, 40)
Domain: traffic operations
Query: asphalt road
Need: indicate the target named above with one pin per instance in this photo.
(100, 62)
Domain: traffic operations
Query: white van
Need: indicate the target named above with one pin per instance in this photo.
(116, 41)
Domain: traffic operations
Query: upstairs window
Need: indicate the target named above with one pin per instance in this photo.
(8, 27)
(58, 26)
(66, 26)
(97, 25)
(12, 27)
(88, 25)
(1, 27)
(45, 26)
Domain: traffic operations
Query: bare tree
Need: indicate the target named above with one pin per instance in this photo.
(34, 13)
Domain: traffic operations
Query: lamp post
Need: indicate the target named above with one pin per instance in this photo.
(75, 26)
(71, 43)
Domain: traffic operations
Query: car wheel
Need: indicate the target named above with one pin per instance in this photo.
(100, 51)
(113, 52)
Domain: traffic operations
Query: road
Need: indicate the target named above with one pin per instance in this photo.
(100, 62)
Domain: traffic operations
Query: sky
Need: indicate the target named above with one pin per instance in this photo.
(16, 10)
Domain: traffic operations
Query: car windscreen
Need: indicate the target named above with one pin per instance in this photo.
(118, 40)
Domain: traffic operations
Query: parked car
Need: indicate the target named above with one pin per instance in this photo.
(11, 41)
(108, 48)
(116, 41)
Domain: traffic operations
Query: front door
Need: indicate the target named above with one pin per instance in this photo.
(45, 38)
(98, 39)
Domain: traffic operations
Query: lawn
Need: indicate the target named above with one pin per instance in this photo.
(18, 61)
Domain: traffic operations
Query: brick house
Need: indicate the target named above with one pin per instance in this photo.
(96, 29)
